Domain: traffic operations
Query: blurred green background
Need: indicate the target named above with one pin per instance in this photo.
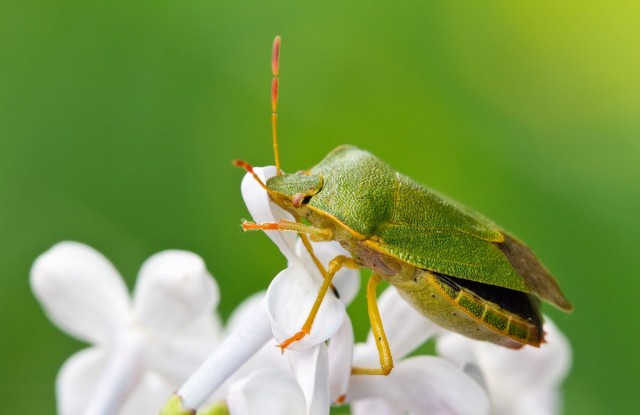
(119, 121)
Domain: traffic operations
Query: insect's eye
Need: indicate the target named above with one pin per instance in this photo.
(300, 199)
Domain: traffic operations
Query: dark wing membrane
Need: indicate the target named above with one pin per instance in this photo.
(534, 273)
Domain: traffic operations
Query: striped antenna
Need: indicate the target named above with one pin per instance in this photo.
(275, 63)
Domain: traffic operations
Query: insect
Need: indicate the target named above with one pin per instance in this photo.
(450, 263)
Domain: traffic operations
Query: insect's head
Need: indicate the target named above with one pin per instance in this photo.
(287, 190)
(296, 189)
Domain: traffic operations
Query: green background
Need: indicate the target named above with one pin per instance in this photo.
(119, 121)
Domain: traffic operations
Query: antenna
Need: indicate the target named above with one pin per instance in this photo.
(275, 63)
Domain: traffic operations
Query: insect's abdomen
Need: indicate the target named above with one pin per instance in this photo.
(449, 304)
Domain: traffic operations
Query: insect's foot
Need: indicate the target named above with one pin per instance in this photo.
(298, 336)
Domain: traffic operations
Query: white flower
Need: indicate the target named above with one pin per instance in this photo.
(304, 389)
(142, 347)
(275, 318)
(519, 382)
(417, 385)
(469, 377)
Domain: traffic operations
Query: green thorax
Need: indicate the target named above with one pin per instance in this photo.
(356, 188)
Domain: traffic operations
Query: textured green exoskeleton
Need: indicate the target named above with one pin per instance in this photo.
(452, 264)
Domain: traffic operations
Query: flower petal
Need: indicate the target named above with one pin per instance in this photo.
(80, 291)
(120, 374)
(376, 406)
(541, 401)
(234, 351)
(406, 329)
(290, 298)
(456, 348)
(149, 395)
(267, 392)
(268, 356)
(262, 210)
(340, 361)
(423, 385)
(179, 356)
(244, 311)
(311, 369)
(77, 380)
(174, 288)
(519, 381)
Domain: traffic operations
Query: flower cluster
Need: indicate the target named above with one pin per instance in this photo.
(146, 347)
(142, 346)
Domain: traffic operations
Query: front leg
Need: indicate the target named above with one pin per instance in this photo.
(334, 266)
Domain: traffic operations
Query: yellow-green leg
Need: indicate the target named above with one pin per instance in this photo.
(334, 266)
(384, 351)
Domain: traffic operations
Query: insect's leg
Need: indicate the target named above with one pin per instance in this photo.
(309, 248)
(323, 234)
(334, 266)
(316, 261)
(384, 351)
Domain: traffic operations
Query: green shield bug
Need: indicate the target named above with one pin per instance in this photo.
(450, 263)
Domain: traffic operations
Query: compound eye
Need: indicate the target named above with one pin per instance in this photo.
(302, 198)
(299, 199)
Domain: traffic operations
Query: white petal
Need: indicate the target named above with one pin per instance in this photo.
(340, 361)
(173, 289)
(290, 298)
(424, 385)
(234, 351)
(120, 375)
(346, 281)
(511, 374)
(375, 406)
(541, 401)
(77, 380)
(243, 311)
(267, 357)
(406, 329)
(456, 348)
(519, 381)
(81, 291)
(176, 358)
(262, 210)
(149, 396)
(311, 369)
(267, 392)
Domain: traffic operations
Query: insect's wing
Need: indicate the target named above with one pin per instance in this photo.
(442, 236)
(534, 273)
(451, 252)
